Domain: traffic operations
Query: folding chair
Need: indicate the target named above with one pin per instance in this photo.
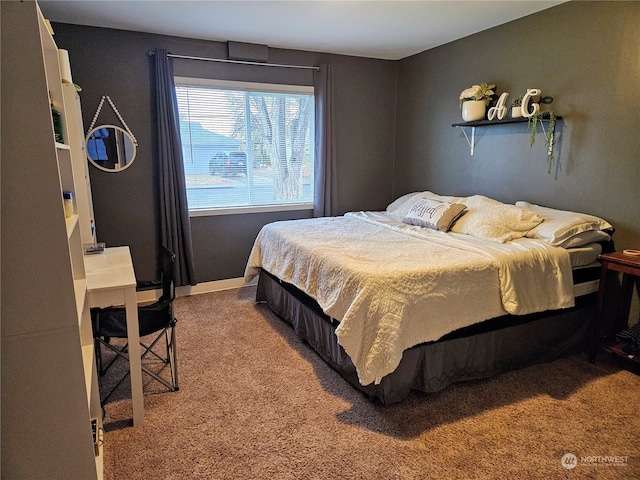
(156, 318)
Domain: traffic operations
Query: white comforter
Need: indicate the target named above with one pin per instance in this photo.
(393, 285)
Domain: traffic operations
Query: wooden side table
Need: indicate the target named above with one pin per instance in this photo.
(629, 265)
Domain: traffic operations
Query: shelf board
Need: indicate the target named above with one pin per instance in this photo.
(504, 121)
(72, 223)
(80, 290)
(488, 123)
(87, 363)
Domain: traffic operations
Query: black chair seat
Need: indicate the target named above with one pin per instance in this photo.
(155, 318)
(112, 321)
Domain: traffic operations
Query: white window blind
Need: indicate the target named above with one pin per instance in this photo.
(246, 145)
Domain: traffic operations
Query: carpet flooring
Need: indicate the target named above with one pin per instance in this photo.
(255, 402)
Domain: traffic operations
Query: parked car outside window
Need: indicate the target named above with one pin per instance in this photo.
(227, 164)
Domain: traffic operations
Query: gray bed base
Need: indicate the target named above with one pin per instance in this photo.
(475, 352)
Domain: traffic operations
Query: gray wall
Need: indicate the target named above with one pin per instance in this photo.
(394, 119)
(115, 63)
(584, 54)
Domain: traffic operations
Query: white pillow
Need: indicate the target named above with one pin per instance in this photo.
(585, 238)
(566, 229)
(493, 220)
(434, 214)
(401, 206)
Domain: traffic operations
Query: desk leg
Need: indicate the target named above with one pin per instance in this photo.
(135, 366)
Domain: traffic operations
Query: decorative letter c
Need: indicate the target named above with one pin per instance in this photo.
(531, 92)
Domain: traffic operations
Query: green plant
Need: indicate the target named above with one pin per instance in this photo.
(484, 91)
(517, 102)
(534, 120)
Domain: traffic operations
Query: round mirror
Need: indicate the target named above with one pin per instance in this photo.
(110, 148)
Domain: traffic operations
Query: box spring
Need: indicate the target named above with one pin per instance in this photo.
(474, 352)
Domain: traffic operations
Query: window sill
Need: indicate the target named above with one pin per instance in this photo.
(250, 209)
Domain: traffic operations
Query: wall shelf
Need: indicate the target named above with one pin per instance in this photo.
(47, 342)
(488, 123)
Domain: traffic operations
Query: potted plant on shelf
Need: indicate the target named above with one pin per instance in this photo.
(474, 101)
(516, 107)
(534, 120)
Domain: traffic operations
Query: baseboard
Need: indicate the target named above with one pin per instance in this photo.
(205, 287)
(214, 286)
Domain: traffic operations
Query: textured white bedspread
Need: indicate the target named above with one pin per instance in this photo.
(393, 285)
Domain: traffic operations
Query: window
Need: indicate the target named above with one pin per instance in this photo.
(246, 146)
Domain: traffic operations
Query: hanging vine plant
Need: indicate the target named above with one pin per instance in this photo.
(534, 120)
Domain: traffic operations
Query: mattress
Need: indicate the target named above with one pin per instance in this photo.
(584, 256)
(585, 268)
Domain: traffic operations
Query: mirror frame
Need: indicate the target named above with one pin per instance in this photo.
(100, 167)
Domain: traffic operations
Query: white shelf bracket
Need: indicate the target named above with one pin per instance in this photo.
(551, 141)
(544, 130)
(471, 141)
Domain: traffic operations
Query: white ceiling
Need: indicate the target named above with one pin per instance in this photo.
(374, 28)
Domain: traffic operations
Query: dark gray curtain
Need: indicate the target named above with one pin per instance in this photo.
(174, 212)
(325, 202)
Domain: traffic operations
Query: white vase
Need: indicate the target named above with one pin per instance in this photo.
(473, 110)
(516, 112)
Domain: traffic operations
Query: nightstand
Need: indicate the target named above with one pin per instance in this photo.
(629, 265)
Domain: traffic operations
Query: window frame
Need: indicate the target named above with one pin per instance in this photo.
(248, 87)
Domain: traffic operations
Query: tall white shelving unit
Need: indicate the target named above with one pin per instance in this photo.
(50, 400)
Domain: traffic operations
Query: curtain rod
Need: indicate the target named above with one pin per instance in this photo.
(242, 62)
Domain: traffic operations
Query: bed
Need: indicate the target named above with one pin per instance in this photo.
(434, 290)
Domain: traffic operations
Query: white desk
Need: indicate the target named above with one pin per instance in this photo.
(112, 281)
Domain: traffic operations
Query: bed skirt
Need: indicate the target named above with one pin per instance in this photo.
(474, 352)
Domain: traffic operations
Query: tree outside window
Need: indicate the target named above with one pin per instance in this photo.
(246, 147)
